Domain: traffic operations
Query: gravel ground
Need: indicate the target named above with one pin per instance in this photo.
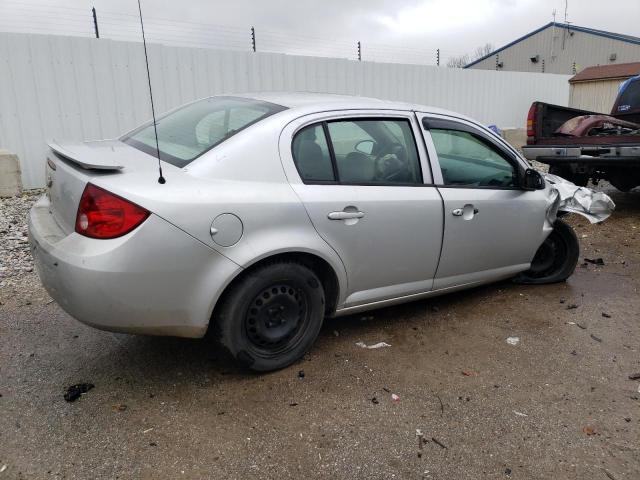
(15, 259)
(555, 403)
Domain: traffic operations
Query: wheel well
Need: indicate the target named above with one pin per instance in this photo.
(319, 266)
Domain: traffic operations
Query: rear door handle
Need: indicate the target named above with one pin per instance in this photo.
(345, 215)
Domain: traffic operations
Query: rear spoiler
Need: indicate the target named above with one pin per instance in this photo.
(89, 160)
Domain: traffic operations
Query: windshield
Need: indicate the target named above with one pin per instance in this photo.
(188, 132)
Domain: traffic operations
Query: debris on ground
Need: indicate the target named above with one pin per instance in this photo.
(507, 472)
(634, 376)
(119, 407)
(595, 261)
(395, 398)
(513, 340)
(420, 436)
(520, 414)
(572, 306)
(469, 373)
(301, 374)
(375, 401)
(374, 346)
(582, 327)
(438, 442)
(75, 391)
(608, 474)
(597, 339)
(606, 315)
(3, 468)
(589, 430)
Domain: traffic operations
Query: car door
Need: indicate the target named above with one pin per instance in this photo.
(492, 227)
(363, 181)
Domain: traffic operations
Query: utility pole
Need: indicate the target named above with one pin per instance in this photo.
(95, 22)
(438, 57)
(359, 52)
(253, 39)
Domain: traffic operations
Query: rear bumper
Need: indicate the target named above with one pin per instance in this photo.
(619, 155)
(156, 280)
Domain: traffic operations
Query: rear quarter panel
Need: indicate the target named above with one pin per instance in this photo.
(242, 176)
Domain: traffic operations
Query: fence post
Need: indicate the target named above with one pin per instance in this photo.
(253, 39)
(438, 57)
(95, 22)
(359, 52)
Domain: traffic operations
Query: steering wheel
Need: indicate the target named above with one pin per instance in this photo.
(388, 164)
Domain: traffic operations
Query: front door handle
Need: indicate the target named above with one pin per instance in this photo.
(468, 211)
(345, 215)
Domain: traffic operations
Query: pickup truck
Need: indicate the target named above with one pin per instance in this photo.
(579, 145)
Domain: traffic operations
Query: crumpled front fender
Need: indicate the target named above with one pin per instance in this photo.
(568, 197)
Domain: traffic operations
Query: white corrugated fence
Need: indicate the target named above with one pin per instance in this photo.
(81, 88)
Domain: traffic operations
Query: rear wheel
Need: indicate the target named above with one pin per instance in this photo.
(556, 258)
(272, 316)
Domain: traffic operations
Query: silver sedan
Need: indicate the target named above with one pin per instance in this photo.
(282, 209)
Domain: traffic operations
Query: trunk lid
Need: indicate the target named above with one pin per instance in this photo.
(70, 166)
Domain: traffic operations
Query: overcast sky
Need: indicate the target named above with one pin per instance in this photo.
(328, 26)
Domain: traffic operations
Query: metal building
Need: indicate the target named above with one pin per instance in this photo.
(561, 48)
(596, 88)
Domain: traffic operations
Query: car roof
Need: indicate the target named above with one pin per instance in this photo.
(327, 101)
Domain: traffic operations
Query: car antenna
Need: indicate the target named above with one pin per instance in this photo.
(161, 179)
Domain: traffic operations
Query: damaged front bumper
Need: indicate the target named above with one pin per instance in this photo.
(565, 196)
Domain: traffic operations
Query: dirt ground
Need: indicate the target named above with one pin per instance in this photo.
(559, 404)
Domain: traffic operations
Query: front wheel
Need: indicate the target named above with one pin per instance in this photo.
(556, 258)
(271, 316)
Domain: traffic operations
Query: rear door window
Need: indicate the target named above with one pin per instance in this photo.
(359, 151)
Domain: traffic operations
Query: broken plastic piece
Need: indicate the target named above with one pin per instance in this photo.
(513, 340)
(74, 391)
(374, 346)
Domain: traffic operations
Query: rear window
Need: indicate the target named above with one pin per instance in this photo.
(188, 132)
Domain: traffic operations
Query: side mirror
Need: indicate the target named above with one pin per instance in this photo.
(365, 146)
(532, 180)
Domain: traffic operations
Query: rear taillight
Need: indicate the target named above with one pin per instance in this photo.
(531, 123)
(101, 214)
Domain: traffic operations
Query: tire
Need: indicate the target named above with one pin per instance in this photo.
(556, 258)
(579, 179)
(271, 316)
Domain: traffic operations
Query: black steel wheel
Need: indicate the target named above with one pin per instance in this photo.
(556, 258)
(271, 316)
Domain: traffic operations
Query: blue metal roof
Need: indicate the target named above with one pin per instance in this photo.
(592, 31)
